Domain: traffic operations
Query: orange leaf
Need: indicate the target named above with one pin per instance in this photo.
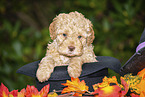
(142, 73)
(106, 82)
(141, 87)
(75, 85)
(110, 80)
(142, 94)
(106, 89)
(109, 91)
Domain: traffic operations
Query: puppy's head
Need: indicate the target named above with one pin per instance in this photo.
(72, 32)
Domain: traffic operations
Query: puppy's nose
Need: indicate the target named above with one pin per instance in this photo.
(71, 48)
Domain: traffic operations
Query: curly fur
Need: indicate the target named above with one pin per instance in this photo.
(72, 35)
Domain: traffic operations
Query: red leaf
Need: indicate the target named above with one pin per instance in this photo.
(22, 93)
(14, 93)
(44, 91)
(31, 90)
(3, 90)
(126, 87)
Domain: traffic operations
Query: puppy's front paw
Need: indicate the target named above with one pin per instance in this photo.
(74, 72)
(43, 74)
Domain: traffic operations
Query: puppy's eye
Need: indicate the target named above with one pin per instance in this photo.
(64, 35)
(79, 37)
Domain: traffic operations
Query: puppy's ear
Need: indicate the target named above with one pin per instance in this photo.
(52, 30)
(90, 37)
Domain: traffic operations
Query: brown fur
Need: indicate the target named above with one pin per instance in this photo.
(72, 36)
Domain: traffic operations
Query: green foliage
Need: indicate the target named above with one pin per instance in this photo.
(19, 46)
(24, 34)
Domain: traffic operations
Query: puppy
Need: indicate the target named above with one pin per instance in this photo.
(72, 35)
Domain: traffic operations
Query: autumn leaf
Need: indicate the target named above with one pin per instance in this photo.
(134, 95)
(108, 91)
(3, 91)
(31, 91)
(141, 73)
(110, 88)
(133, 82)
(54, 94)
(22, 93)
(141, 87)
(13, 93)
(126, 87)
(142, 94)
(110, 80)
(44, 91)
(107, 82)
(75, 85)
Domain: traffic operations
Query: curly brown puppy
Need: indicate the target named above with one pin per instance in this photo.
(72, 35)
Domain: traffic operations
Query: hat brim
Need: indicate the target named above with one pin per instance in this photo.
(60, 72)
(92, 73)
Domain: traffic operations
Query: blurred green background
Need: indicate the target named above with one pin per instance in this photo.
(118, 25)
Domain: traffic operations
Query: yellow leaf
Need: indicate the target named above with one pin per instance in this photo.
(52, 94)
(10, 95)
(4, 94)
(106, 82)
(75, 85)
(36, 95)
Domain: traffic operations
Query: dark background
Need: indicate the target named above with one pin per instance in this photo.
(24, 34)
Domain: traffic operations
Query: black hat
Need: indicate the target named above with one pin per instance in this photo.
(137, 61)
(92, 73)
